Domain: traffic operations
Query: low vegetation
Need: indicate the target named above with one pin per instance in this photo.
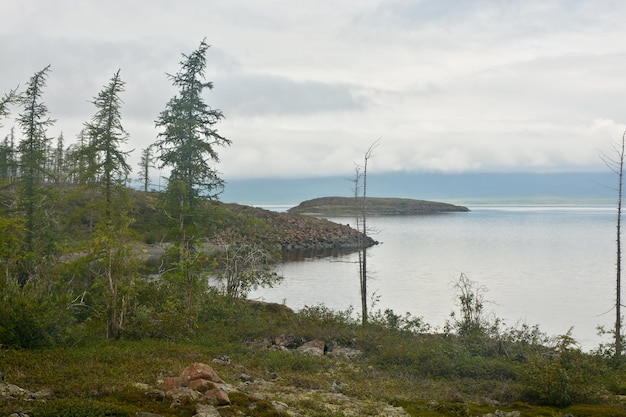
(468, 368)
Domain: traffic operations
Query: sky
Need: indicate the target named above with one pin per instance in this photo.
(447, 86)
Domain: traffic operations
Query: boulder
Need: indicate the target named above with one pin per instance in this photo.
(183, 393)
(344, 353)
(206, 410)
(172, 382)
(200, 384)
(217, 396)
(313, 348)
(199, 371)
(288, 341)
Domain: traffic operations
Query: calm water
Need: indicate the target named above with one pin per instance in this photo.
(552, 266)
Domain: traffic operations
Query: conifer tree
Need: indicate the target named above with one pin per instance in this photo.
(113, 264)
(186, 146)
(106, 137)
(34, 122)
(145, 164)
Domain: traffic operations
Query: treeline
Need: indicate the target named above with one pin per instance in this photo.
(68, 218)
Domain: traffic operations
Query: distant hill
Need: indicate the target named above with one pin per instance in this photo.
(347, 206)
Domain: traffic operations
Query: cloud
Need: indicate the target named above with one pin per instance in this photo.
(454, 86)
(261, 95)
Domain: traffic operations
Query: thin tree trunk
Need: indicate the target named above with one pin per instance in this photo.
(618, 280)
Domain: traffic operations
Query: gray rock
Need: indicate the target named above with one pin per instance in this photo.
(344, 353)
(206, 410)
(313, 348)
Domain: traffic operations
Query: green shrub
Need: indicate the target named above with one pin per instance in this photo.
(563, 375)
(30, 318)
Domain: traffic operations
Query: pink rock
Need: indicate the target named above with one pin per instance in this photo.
(172, 382)
(216, 396)
(200, 384)
(200, 371)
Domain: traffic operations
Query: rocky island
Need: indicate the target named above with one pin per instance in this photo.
(349, 206)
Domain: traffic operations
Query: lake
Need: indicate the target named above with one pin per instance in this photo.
(548, 265)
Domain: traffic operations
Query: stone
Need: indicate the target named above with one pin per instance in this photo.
(245, 377)
(313, 348)
(200, 371)
(12, 391)
(216, 396)
(183, 393)
(156, 395)
(206, 410)
(141, 386)
(500, 413)
(172, 382)
(288, 341)
(222, 360)
(42, 394)
(344, 353)
(200, 384)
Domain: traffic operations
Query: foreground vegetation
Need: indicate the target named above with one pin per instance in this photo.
(443, 374)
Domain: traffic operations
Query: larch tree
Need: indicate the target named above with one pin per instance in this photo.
(106, 138)
(186, 146)
(5, 101)
(145, 163)
(110, 243)
(32, 149)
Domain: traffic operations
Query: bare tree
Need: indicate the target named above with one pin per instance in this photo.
(360, 195)
(616, 164)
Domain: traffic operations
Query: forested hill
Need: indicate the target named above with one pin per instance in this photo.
(347, 206)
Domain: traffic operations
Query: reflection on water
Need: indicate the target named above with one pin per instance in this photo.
(294, 255)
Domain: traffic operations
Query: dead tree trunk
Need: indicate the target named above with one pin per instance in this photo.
(616, 164)
(362, 227)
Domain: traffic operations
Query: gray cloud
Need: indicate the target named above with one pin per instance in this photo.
(259, 95)
(450, 86)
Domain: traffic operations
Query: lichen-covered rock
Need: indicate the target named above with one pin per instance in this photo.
(183, 393)
(313, 348)
(206, 410)
(344, 353)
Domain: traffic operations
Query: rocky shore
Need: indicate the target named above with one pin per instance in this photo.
(299, 235)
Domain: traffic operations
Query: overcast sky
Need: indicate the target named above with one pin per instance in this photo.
(307, 86)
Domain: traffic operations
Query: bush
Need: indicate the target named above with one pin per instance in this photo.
(562, 376)
(31, 318)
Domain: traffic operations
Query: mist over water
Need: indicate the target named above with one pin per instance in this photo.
(548, 265)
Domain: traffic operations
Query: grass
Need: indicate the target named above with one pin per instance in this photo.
(427, 375)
